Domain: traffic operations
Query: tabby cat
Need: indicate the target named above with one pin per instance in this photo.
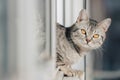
(75, 41)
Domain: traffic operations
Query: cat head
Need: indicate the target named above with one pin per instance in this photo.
(88, 33)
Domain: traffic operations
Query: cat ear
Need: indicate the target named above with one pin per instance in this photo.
(82, 16)
(105, 24)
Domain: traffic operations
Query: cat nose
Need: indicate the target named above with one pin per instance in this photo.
(87, 40)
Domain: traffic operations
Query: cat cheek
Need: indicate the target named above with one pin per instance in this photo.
(75, 35)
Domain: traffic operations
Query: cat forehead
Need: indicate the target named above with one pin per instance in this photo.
(91, 23)
(91, 26)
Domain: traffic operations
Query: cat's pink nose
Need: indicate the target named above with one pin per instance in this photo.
(87, 40)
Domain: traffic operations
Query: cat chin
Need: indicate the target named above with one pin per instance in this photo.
(88, 47)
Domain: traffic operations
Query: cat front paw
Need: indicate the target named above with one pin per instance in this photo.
(74, 73)
(80, 75)
(68, 73)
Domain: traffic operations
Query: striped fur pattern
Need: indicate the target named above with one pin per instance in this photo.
(82, 37)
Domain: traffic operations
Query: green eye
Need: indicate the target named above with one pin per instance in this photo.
(83, 31)
(96, 36)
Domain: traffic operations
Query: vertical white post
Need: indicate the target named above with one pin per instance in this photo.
(26, 52)
(53, 28)
(68, 12)
(30, 67)
(60, 11)
(77, 6)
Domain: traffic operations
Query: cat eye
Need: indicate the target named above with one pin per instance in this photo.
(83, 31)
(95, 35)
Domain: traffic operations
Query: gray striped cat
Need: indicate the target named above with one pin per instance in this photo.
(82, 37)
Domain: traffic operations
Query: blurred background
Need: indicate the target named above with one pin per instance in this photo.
(110, 63)
(27, 29)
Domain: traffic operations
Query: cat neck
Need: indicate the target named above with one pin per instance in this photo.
(68, 36)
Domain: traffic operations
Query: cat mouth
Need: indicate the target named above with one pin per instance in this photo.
(87, 46)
